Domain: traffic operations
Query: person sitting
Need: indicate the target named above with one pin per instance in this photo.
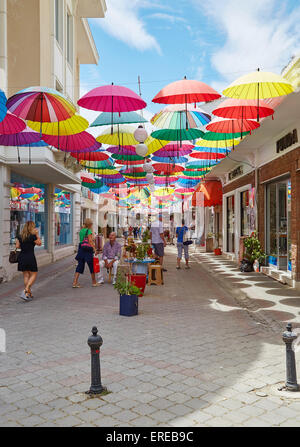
(110, 258)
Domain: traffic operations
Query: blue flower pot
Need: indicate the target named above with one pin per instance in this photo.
(129, 305)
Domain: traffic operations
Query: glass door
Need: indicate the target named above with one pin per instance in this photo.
(230, 224)
(278, 224)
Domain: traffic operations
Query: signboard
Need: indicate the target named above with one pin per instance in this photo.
(287, 141)
(236, 173)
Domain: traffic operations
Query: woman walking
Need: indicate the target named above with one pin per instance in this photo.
(28, 239)
(85, 253)
(180, 233)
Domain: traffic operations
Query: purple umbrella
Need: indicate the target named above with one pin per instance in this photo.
(122, 150)
(26, 137)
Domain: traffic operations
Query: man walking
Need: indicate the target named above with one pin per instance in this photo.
(158, 240)
(110, 257)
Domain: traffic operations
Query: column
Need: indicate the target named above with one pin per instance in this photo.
(3, 45)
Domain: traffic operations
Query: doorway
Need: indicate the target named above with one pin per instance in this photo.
(278, 220)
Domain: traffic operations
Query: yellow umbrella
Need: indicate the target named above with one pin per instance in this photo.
(162, 192)
(73, 125)
(222, 144)
(154, 144)
(259, 85)
(122, 135)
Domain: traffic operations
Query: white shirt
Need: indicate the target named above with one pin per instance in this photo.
(157, 230)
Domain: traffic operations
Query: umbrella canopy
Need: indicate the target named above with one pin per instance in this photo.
(259, 85)
(122, 150)
(3, 108)
(243, 109)
(169, 159)
(105, 164)
(26, 136)
(232, 126)
(217, 144)
(185, 92)
(11, 124)
(199, 165)
(122, 136)
(90, 156)
(165, 180)
(193, 174)
(41, 104)
(130, 162)
(71, 126)
(97, 183)
(163, 192)
(105, 119)
(177, 134)
(208, 155)
(72, 143)
(213, 193)
(127, 157)
(217, 136)
(172, 152)
(177, 116)
(167, 168)
(112, 98)
(219, 150)
(86, 178)
(181, 192)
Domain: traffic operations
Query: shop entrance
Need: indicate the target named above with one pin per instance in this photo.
(278, 218)
(230, 223)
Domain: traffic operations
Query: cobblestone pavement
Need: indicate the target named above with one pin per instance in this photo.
(194, 356)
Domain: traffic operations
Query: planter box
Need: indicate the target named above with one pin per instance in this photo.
(209, 245)
(129, 305)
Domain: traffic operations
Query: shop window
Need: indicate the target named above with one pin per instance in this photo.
(230, 223)
(59, 22)
(27, 202)
(70, 39)
(245, 214)
(63, 217)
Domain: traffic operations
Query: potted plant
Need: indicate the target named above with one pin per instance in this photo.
(253, 252)
(129, 294)
(217, 249)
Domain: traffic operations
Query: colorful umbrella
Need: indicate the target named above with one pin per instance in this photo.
(87, 178)
(104, 119)
(127, 157)
(259, 85)
(11, 124)
(169, 159)
(3, 108)
(177, 134)
(232, 126)
(90, 156)
(72, 143)
(24, 138)
(122, 150)
(208, 155)
(167, 168)
(186, 92)
(217, 144)
(112, 98)
(70, 126)
(41, 104)
(169, 152)
(177, 116)
(243, 109)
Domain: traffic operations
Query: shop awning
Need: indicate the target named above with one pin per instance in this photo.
(212, 190)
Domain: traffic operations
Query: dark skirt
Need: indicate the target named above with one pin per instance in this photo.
(27, 262)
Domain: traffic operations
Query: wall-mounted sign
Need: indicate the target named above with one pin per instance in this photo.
(236, 173)
(287, 141)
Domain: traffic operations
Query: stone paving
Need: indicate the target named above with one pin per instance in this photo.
(194, 356)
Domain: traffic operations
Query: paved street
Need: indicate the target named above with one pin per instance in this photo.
(200, 353)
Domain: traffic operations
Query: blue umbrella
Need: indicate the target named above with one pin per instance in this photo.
(105, 119)
(169, 159)
(3, 108)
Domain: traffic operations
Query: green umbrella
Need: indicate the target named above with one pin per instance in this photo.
(216, 136)
(177, 134)
(127, 157)
(96, 185)
(105, 118)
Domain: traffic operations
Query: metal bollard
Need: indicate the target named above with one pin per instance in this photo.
(94, 342)
(291, 376)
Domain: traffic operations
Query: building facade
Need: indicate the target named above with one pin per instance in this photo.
(43, 42)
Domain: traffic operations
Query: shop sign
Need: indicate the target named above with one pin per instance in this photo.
(236, 173)
(287, 141)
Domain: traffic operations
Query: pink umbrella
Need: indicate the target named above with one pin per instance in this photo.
(72, 143)
(11, 124)
(112, 98)
(243, 109)
(122, 150)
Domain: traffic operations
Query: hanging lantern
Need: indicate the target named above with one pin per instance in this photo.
(141, 150)
(150, 179)
(147, 167)
(140, 134)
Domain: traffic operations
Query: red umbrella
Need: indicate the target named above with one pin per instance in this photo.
(208, 155)
(231, 126)
(130, 162)
(90, 156)
(166, 168)
(11, 124)
(186, 91)
(87, 178)
(243, 109)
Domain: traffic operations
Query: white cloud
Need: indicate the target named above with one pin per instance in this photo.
(257, 33)
(168, 17)
(123, 22)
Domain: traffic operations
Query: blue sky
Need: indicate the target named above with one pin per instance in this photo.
(215, 41)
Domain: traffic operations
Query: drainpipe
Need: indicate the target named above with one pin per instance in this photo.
(3, 45)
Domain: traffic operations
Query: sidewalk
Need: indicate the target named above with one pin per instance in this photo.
(192, 357)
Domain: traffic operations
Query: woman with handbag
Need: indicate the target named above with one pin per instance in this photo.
(85, 254)
(181, 233)
(28, 239)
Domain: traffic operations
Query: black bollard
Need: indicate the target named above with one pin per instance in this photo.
(291, 376)
(94, 342)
